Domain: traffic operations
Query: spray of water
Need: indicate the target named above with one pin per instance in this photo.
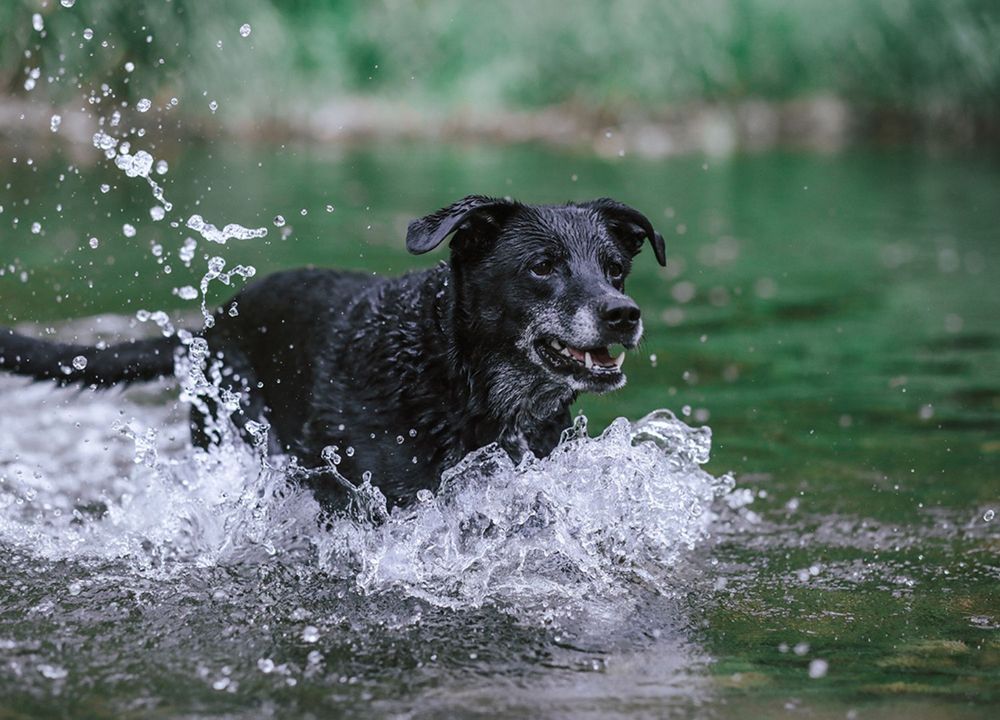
(108, 478)
(111, 478)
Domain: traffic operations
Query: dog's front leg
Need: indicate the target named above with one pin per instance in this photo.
(536, 435)
(514, 442)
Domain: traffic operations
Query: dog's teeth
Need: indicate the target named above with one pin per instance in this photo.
(556, 344)
(565, 351)
(620, 360)
(587, 360)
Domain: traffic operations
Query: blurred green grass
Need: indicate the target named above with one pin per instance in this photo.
(923, 56)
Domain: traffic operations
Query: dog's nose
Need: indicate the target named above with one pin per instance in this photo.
(619, 313)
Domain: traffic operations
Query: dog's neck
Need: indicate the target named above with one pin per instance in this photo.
(519, 406)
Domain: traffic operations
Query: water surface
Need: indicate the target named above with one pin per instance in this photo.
(832, 318)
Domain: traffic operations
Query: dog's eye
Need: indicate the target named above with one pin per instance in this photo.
(542, 268)
(615, 271)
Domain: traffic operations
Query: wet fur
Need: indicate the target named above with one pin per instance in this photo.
(448, 354)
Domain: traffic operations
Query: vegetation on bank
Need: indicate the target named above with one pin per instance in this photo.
(907, 56)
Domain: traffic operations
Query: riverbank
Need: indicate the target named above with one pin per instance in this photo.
(823, 123)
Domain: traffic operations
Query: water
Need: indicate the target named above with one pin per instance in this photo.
(833, 318)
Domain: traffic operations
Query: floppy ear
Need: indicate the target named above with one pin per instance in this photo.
(629, 225)
(428, 232)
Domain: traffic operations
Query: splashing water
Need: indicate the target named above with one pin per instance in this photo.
(232, 231)
(599, 522)
(595, 517)
(582, 530)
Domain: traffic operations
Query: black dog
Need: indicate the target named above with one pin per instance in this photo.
(406, 375)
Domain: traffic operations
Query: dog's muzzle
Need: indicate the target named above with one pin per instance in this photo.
(592, 369)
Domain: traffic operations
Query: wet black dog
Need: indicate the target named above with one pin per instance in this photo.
(406, 375)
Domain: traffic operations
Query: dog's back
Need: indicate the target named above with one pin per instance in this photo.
(283, 324)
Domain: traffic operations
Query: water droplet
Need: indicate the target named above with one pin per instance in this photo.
(399, 439)
(310, 634)
(55, 122)
(80, 362)
(330, 208)
(232, 231)
(67, 3)
(128, 230)
(37, 23)
(989, 515)
(157, 213)
(245, 30)
(424, 495)
(213, 106)
(143, 105)
(818, 668)
(330, 455)
(265, 665)
(105, 187)
(88, 34)
(52, 672)
(129, 67)
(137, 165)
(161, 167)
(36, 228)
(187, 293)
(94, 242)
(279, 221)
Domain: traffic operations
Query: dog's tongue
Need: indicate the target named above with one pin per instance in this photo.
(601, 356)
(598, 356)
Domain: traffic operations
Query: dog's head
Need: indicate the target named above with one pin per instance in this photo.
(546, 283)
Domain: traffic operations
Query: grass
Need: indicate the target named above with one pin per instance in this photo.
(909, 55)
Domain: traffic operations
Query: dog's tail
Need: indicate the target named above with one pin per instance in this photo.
(103, 367)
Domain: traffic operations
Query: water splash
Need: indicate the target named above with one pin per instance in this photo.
(583, 530)
(596, 518)
(232, 231)
(106, 479)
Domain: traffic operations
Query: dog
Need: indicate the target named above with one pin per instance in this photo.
(406, 375)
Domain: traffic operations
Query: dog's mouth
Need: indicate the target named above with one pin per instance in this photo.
(596, 363)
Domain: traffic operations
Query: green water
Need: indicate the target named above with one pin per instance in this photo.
(835, 319)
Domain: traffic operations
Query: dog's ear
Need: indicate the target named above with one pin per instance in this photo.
(427, 233)
(630, 226)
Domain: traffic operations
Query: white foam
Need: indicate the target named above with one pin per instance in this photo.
(584, 528)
